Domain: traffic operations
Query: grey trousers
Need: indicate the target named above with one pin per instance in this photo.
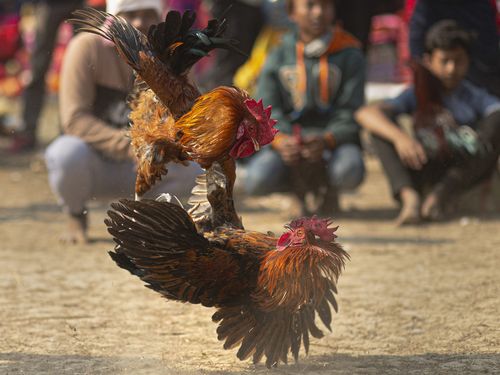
(78, 174)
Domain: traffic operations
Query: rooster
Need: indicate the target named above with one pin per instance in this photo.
(310, 178)
(267, 290)
(435, 126)
(171, 121)
(431, 118)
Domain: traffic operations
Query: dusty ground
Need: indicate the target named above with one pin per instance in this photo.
(413, 301)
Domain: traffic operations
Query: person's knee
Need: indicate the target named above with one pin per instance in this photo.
(67, 158)
(256, 184)
(67, 153)
(263, 174)
(347, 171)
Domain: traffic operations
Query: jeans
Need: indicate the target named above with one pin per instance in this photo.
(78, 173)
(267, 173)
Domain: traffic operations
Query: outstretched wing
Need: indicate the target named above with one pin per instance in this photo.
(273, 334)
(152, 136)
(158, 242)
(164, 57)
(175, 91)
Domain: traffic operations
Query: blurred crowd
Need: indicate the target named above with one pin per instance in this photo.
(311, 60)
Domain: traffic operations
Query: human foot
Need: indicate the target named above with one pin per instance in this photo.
(410, 202)
(76, 233)
(432, 208)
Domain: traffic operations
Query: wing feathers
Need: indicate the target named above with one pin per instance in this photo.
(158, 242)
(128, 40)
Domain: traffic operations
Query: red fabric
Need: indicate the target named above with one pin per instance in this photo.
(408, 11)
(495, 7)
(9, 35)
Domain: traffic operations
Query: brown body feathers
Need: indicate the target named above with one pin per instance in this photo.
(266, 299)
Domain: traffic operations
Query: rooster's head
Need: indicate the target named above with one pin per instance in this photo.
(307, 231)
(255, 130)
(305, 265)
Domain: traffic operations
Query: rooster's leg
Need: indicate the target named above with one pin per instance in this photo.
(220, 184)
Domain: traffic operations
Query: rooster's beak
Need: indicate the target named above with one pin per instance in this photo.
(255, 144)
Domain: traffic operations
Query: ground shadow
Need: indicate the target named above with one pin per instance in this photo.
(385, 240)
(429, 363)
(20, 161)
(35, 211)
(24, 363)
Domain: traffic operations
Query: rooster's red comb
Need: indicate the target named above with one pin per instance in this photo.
(263, 117)
(320, 227)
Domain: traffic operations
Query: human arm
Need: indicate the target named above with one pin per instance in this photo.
(341, 126)
(373, 119)
(77, 95)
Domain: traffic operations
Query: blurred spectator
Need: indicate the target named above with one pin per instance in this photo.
(49, 15)
(314, 81)
(183, 5)
(457, 127)
(10, 37)
(93, 159)
(477, 15)
(276, 23)
(97, 4)
(244, 23)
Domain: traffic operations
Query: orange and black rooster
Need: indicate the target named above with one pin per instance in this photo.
(171, 121)
(267, 291)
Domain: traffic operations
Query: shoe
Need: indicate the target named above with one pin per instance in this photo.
(7, 125)
(21, 143)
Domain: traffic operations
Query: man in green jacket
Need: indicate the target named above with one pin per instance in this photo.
(314, 81)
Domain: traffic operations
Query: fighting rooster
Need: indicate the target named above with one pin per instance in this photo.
(435, 126)
(267, 291)
(171, 121)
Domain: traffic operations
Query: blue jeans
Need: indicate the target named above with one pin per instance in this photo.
(267, 173)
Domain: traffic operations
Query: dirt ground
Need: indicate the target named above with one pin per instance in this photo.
(417, 300)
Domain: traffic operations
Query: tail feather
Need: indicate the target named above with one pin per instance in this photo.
(272, 334)
(180, 47)
(128, 40)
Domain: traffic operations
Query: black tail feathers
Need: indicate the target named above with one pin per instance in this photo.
(128, 40)
(180, 47)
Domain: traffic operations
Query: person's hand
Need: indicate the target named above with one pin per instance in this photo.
(312, 148)
(289, 149)
(410, 152)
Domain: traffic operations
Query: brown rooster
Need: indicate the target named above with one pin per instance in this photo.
(431, 119)
(171, 122)
(267, 291)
